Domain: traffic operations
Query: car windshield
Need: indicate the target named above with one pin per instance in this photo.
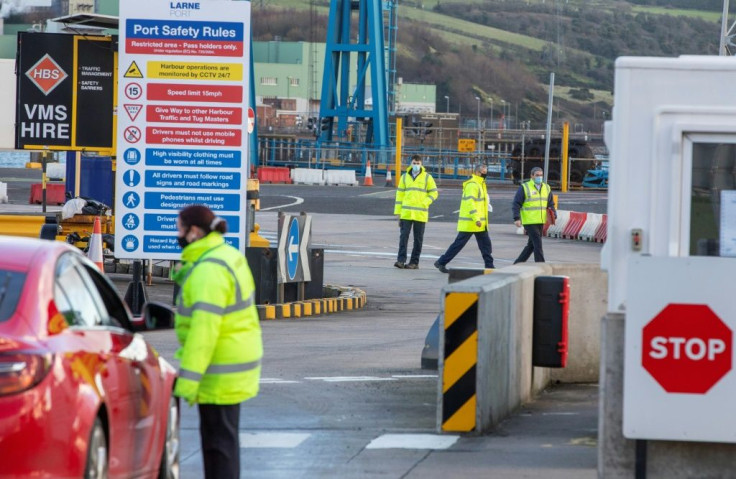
(11, 285)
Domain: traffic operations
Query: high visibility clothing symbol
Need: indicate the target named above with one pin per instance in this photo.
(133, 71)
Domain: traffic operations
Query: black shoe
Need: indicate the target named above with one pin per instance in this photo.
(412, 266)
(400, 265)
(440, 267)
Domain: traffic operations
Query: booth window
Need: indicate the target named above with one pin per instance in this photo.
(713, 199)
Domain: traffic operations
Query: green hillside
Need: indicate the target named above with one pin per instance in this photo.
(504, 51)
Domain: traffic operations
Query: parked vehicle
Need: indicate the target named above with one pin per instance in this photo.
(81, 392)
(578, 151)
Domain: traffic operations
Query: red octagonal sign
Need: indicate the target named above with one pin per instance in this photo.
(687, 348)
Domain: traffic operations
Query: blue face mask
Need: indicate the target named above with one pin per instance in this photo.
(537, 180)
(416, 168)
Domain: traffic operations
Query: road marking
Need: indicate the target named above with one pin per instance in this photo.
(412, 441)
(381, 194)
(414, 376)
(277, 381)
(282, 440)
(346, 379)
(437, 216)
(297, 201)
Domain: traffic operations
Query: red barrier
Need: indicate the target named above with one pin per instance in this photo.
(273, 174)
(602, 232)
(54, 194)
(549, 221)
(574, 225)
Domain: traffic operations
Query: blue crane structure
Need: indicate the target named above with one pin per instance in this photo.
(341, 101)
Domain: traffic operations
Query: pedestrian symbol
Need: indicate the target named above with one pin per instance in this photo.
(130, 243)
(131, 178)
(133, 71)
(131, 200)
(130, 221)
(132, 156)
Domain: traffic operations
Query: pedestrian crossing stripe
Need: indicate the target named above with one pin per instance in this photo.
(133, 71)
(460, 359)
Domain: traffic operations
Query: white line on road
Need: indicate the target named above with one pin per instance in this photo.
(271, 439)
(345, 379)
(297, 201)
(277, 381)
(414, 376)
(412, 441)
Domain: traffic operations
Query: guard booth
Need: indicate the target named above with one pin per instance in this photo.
(668, 378)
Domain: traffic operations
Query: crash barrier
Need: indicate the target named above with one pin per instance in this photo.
(3, 192)
(340, 177)
(579, 226)
(307, 176)
(335, 299)
(602, 232)
(574, 225)
(555, 230)
(272, 174)
(54, 194)
(592, 222)
(56, 171)
(20, 225)
(485, 350)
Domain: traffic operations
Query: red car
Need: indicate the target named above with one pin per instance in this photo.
(81, 392)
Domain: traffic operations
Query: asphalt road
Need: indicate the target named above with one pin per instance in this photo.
(343, 395)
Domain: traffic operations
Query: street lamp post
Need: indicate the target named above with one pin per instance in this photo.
(447, 99)
(503, 114)
(478, 122)
(491, 113)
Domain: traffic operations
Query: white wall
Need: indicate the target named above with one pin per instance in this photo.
(7, 104)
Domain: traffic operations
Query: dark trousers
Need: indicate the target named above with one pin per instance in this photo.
(218, 430)
(533, 245)
(484, 244)
(405, 227)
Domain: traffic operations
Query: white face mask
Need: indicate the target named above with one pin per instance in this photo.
(416, 168)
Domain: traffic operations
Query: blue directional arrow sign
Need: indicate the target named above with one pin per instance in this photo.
(292, 248)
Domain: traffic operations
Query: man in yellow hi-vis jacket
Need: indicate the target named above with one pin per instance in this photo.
(472, 220)
(417, 190)
(220, 335)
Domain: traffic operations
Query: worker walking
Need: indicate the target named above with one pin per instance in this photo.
(530, 206)
(472, 220)
(417, 190)
(220, 335)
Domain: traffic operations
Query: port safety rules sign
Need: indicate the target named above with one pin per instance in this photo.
(182, 139)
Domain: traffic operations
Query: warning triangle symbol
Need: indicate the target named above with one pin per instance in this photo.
(132, 110)
(133, 71)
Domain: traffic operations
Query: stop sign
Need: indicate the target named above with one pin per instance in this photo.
(687, 348)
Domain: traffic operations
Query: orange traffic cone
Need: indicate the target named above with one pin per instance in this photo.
(389, 181)
(94, 252)
(368, 180)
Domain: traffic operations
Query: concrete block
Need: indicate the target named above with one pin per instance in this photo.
(56, 171)
(3, 192)
(307, 176)
(340, 177)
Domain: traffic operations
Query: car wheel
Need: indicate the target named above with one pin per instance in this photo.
(169, 468)
(96, 453)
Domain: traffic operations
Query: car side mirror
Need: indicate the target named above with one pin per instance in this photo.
(158, 316)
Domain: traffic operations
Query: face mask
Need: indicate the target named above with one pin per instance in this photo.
(483, 175)
(183, 241)
(537, 180)
(416, 168)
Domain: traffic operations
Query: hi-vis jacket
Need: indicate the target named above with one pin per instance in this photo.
(474, 206)
(217, 325)
(531, 205)
(414, 195)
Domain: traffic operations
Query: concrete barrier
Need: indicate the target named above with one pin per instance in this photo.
(307, 176)
(574, 225)
(485, 350)
(555, 230)
(592, 221)
(3, 192)
(56, 171)
(340, 177)
(273, 174)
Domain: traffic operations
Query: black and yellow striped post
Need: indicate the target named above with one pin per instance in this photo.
(458, 402)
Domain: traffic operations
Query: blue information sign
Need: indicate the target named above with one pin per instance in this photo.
(292, 248)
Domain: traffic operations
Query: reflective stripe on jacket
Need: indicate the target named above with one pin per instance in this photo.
(474, 206)
(534, 209)
(217, 325)
(414, 195)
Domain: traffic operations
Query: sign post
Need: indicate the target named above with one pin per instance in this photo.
(182, 136)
